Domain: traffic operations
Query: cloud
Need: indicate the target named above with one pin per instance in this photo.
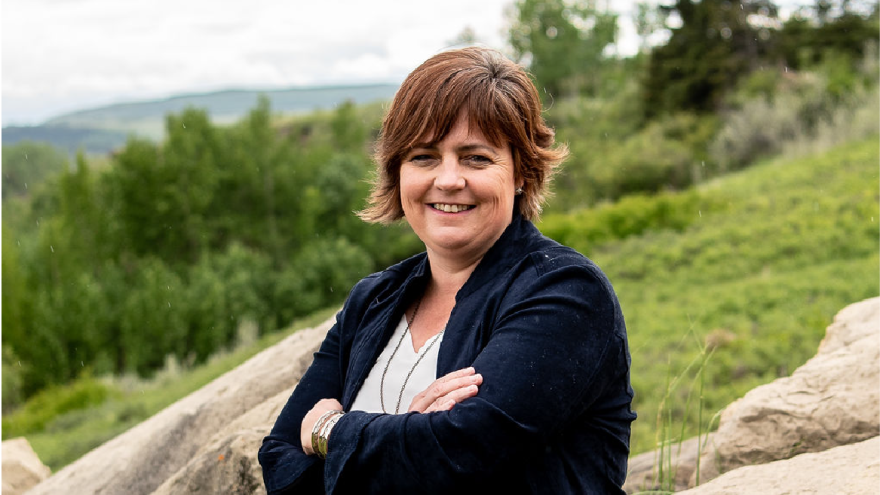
(66, 54)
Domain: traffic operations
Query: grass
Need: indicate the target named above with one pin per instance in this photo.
(71, 434)
(757, 279)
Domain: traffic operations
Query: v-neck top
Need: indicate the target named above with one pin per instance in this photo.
(407, 374)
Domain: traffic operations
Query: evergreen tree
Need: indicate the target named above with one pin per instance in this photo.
(715, 45)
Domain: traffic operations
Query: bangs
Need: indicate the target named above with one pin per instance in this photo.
(435, 116)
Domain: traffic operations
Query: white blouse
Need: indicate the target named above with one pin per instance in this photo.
(420, 366)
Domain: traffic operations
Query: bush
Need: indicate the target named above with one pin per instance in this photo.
(631, 216)
(320, 276)
(12, 379)
(51, 402)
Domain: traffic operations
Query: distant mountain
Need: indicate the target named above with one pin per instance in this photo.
(100, 130)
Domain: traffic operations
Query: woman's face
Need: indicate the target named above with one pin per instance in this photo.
(458, 194)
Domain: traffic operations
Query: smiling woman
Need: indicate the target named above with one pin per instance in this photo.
(497, 360)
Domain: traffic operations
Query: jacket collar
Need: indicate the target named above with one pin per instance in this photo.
(507, 250)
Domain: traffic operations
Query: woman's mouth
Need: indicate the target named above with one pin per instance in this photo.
(450, 208)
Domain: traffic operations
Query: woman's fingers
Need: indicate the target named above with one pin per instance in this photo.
(447, 391)
(446, 402)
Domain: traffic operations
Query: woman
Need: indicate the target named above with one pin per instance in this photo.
(526, 335)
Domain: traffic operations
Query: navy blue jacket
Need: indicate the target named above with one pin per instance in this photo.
(539, 321)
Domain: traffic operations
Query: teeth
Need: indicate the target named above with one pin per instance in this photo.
(450, 208)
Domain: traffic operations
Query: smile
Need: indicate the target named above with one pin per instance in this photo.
(451, 208)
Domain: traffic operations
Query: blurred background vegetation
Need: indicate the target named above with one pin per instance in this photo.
(725, 178)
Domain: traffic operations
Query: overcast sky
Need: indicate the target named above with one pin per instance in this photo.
(65, 55)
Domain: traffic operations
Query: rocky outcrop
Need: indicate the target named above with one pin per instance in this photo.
(846, 470)
(832, 400)
(210, 436)
(22, 468)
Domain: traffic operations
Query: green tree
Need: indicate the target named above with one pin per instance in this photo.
(715, 44)
(164, 194)
(28, 163)
(563, 43)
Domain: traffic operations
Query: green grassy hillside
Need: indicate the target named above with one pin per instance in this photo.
(751, 268)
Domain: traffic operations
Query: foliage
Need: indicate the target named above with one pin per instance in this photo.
(564, 43)
(814, 35)
(612, 156)
(757, 276)
(177, 249)
(801, 111)
(53, 402)
(26, 164)
(713, 46)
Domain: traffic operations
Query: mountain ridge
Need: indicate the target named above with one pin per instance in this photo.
(105, 128)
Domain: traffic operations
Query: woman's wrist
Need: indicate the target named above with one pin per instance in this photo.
(321, 431)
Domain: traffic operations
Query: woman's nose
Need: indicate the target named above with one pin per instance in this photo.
(449, 175)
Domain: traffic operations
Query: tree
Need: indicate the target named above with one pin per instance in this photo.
(716, 43)
(828, 32)
(563, 43)
(28, 163)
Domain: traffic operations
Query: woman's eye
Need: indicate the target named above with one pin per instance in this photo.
(477, 159)
(421, 159)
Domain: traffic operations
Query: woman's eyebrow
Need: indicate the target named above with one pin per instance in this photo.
(460, 149)
(476, 147)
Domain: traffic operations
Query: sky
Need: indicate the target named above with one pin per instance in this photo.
(64, 55)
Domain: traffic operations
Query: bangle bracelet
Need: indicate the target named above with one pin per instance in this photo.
(324, 434)
(317, 428)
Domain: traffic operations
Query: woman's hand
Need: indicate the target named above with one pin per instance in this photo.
(447, 391)
(312, 417)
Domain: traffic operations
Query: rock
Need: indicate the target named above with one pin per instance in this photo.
(227, 417)
(228, 462)
(846, 470)
(22, 469)
(832, 400)
(643, 469)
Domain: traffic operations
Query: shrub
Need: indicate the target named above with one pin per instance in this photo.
(51, 402)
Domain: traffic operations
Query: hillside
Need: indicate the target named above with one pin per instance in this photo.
(750, 268)
(100, 130)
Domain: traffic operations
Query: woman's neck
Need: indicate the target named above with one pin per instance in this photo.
(449, 275)
(436, 304)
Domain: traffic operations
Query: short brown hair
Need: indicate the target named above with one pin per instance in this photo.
(499, 99)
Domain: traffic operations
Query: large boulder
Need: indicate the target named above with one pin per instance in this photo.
(846, 470)
(22, 469)
(832, 400)
(213, 433)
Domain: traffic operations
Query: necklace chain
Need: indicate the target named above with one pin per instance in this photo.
(422, 354)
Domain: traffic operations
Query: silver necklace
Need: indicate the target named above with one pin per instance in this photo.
(393, 353)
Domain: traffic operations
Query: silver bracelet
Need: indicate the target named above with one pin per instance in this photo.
(324, 434)
(317, 428)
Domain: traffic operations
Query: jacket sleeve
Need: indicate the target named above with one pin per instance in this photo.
(286, 468)
(555, 346)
